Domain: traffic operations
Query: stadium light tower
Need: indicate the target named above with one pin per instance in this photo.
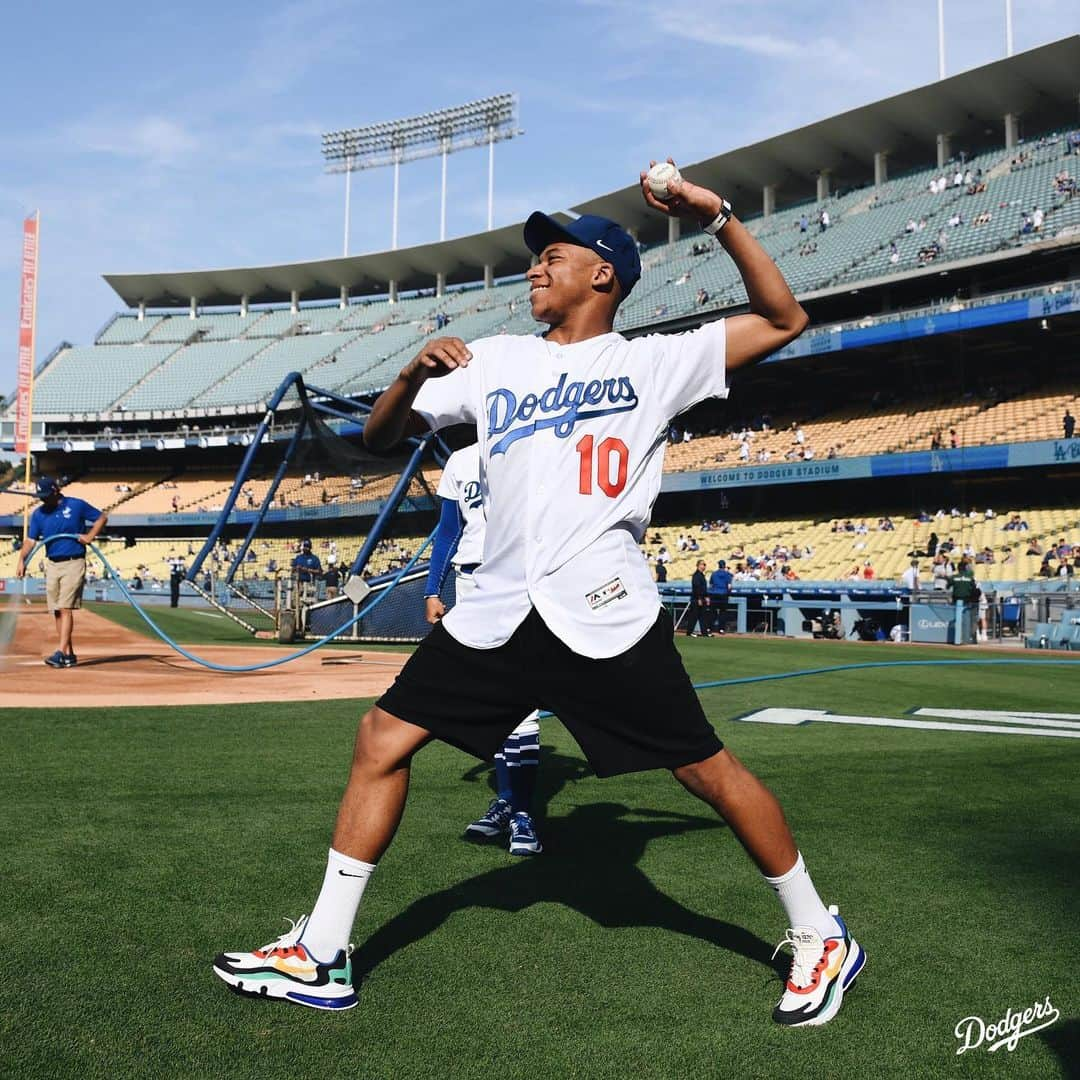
(477, 123)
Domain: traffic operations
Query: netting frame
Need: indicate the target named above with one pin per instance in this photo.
(315, 403)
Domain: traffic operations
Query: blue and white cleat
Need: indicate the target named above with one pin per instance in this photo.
(57, 660)
(493, 824)
(822, 970)
(523, 838)
(285, 969)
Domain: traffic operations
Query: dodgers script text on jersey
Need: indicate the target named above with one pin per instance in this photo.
(571, 443)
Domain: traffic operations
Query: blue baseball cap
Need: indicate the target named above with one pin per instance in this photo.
(607, 238)
(47, 486)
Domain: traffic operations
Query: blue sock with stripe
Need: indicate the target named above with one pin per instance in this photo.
(522, 754)
(502, 777)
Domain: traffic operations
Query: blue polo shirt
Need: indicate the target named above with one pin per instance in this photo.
(304, 564)
(720, 581)
(70, 516)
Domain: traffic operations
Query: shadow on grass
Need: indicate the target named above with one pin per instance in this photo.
(1064, 1040)
(590, 865)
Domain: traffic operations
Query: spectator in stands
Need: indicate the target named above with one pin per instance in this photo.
(702, 297)
(699, 603)
(932, 544)
(911, 226)
(1036, 218)
(824, 220)
(804, 223)
(175, 504)
(868, 571)
(661, 572)
(910, 577)
(1034, 547)
(886, 525)
(954, 439)
(1068, 423)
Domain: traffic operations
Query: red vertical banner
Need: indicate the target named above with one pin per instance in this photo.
(27, 314)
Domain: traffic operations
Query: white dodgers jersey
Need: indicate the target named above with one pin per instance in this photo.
(571, 450)
(460, 483)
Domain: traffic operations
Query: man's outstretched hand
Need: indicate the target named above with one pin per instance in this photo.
(685, 199)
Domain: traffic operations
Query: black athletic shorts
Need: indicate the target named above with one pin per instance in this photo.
(634, 711)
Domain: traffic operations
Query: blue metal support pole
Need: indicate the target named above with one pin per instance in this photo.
(391, 504)
(241, 476)
(268, 499)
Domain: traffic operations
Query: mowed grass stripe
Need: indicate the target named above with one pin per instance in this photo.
(142, 841)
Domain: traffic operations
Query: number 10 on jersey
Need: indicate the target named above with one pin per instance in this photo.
(612, 456)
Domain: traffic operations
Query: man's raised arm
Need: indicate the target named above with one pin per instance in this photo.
(776, 317)
(392, 417)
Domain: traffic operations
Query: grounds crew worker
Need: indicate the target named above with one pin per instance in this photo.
(65, 560)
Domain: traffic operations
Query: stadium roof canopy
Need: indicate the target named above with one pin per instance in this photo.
(1040, 85)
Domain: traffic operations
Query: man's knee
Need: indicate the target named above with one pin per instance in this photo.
(710, 775)
(385, 743)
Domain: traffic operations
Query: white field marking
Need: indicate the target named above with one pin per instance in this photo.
(1033, 719)
(206, 614)
(805, 716)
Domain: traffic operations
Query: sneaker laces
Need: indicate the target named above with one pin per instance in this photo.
(520, 824)
(807, 954)
(495, 811)
(291, 936)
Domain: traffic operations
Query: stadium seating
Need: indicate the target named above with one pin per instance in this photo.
(837, 555)
(231, 359)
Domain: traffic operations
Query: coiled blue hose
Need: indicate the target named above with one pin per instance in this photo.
(210, 664)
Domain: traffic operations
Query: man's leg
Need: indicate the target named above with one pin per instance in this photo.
(825, 958)
(64, 621)
(310, 965)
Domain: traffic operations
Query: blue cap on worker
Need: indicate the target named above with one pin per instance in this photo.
(47, 486)
(607, 238)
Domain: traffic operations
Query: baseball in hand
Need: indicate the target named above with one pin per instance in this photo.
(660, 175)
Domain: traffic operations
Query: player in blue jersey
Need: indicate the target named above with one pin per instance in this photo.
(459, 542)
(65, 559)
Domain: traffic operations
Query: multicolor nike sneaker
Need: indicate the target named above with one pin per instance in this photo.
(523, 838)
(822, 969)
(494, 823)
(285, 969)
(56, 660)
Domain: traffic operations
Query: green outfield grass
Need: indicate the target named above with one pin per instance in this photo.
(139, 842)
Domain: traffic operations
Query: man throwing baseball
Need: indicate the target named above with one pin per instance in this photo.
(563, 614)
(65, 559)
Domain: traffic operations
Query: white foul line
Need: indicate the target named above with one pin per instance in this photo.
(794, 717)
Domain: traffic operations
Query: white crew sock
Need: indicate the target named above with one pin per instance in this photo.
(801, 901)
(331, 919)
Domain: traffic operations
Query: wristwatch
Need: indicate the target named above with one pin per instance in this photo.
(720, 220)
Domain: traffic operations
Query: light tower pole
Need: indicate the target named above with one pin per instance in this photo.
(477, 123)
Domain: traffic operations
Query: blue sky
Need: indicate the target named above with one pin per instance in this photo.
(157, 137)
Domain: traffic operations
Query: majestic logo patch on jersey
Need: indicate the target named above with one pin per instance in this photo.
(473, 495)
(613, 590)
(561, 406)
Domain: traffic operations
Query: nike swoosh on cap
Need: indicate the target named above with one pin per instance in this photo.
(600, 243)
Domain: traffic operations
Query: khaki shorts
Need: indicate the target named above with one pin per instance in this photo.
(64, 583)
